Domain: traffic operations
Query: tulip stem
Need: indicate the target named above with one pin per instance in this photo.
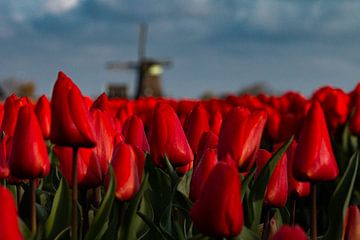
(266, 228)
(313, 213)
(74, 222)
(85, 210)
(19, 194)
(33, 202)
(293, 211)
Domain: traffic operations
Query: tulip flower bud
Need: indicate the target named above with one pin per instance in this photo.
(335, 103)
(43, 114)
(11, 108)
(9, 226)
(216, 120)
(240, 136)
(218, 212)
(354, 124)
(28, 156)
(277, 187)
(134, 135)
(287, 232)
(4, 164)
(314, 158)
(71, 123)
(296, 188)
(167, 137)
(126, 172)
(207, 140)
(196, 124)
(353, 224)
(201, 173)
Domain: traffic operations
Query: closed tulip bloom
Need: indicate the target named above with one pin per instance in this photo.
(9, 226)
(184, 169)
(4, 163)
(167, 137)
(216, 120)
(335, 103)
(102, 103)
(354, 124)
(202, 172)
(353, 224)
(126, 172)
(287, 232)
(277, 187)
(314, 159)
(240, 136)
(71, 123)
(11, 108)
(28, 156)
(296, 188)
(43, 114)
(105, 134)
(134, 135)
(207, 140)
(218, 212)
(88, 171)
(195, 125)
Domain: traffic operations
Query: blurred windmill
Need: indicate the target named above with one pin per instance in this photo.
(148, 70)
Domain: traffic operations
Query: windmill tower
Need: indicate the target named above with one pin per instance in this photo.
(148, 70)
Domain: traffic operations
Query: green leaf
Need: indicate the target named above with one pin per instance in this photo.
(340, 199)
(60, 215)
(184, 184)
(246, 181)
(258, 190)
(152, 225)
(98, 225)
(247, 234)
(130, 226)
(25, 231)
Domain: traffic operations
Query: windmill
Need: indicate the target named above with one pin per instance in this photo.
(148, 70)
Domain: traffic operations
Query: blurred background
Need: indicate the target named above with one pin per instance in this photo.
(192, 48)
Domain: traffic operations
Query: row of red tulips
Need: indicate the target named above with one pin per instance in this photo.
(240, 167)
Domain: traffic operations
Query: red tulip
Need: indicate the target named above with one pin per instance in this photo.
(354, 124)
(43, 114)
(89, 172)
(28, 155)
(9, 226)
(296, 188)
(202, 172)
(184, 169)
(314, 159)
(102, 103)
(277, 187)
(126, 172)
(4, 163)
(240, 136)
(335, 103)
(218, 212)
(207, 140)
(353, 224)
(167, 137)
(11, 108)
(71, 123)
(287, 232)
(196, 124)
(134, 134)
(216, 120)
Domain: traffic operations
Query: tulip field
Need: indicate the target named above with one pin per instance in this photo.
(243, 167)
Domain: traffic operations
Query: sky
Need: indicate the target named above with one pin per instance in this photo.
(214, 45)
